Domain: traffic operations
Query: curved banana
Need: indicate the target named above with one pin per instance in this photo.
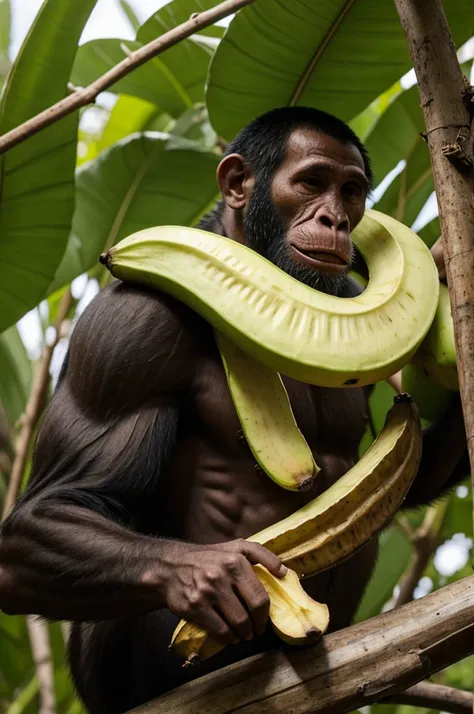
(267, 420)
(431, 399)
(295, 617)
(437, 353)
(339, 521)
(293, 329)
(334, 525)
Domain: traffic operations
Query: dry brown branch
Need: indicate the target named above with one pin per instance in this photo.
(34, 408)
(425, 541)
(41, 650)
(81, 97)
(349, 669)
(447, 109)
(437, 697)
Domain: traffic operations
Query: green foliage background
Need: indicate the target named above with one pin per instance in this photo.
(71, 192)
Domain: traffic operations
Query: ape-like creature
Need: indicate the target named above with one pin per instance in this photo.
(142, 491)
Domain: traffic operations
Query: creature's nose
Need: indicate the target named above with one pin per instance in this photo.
(336, 223)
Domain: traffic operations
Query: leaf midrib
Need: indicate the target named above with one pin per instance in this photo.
(320, 50)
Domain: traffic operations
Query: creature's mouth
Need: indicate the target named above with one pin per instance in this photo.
(324, 260)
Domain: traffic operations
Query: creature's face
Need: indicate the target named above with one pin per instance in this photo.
(302, 221)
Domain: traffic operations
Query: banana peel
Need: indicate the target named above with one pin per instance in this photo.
(296, 618)
(266, 417)
(291, 328)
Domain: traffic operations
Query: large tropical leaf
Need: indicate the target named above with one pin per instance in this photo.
(173, 81)
(15, 374)
(144, 180)
(5, 20)
(37, 176)
(337, 55)
(395, 551)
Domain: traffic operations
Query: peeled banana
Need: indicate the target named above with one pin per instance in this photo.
(295, 617)
(339, 521)
(267, 420)
(295, 330)
(328, 530)
(436, 355)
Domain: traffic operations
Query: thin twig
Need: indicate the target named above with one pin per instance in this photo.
(41, 650)
(84, 96)
(425, 540)
(437, 697)
(34, 408)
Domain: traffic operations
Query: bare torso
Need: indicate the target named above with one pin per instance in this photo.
(213, 490)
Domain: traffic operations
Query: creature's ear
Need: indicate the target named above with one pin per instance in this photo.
(235, 181)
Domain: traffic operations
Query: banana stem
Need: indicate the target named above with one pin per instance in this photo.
(425, 540)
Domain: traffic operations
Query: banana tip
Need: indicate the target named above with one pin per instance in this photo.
(306, 484)
(104, 258)
(403, 398)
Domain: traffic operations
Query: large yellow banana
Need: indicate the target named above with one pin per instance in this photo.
(267, 420)
(293, 329)
(339, 521)
(295, 617)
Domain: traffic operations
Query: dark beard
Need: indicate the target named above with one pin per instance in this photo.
(266, 234)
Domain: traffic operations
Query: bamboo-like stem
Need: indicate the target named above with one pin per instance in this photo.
(34, 408)
(437, 697)
(425, 541)
(41, 650)
(81, 97)
(448, 111)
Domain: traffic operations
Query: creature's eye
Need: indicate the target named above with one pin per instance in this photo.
(353, 190)
(313, 181)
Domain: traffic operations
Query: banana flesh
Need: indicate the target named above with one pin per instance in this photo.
(267, 420)
(295, 330)
(437, 353)
(295, 617)
(338, 522)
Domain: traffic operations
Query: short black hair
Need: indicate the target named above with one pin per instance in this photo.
(263, 142)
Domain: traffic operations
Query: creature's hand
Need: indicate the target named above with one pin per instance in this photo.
(216, 588)
(437, 251)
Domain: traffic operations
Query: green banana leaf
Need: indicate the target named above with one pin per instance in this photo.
(175, 13)
(15, 374)
(144, 180)
(37, 176)
(396, 136)
(394, 557)
(173, 81)
(130, 14)
(129, 115)
(336, 55)
(5, 21)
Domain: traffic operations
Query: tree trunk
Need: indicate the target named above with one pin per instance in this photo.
(448, 108)
(348, 669)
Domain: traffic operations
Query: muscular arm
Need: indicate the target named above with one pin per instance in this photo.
(68, 550)
(102, 447)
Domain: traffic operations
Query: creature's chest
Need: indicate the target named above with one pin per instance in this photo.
(332, 420)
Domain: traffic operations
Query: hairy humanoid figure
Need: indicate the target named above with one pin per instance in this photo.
(142, 491)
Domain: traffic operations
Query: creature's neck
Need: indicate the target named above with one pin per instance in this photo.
(225, 222)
